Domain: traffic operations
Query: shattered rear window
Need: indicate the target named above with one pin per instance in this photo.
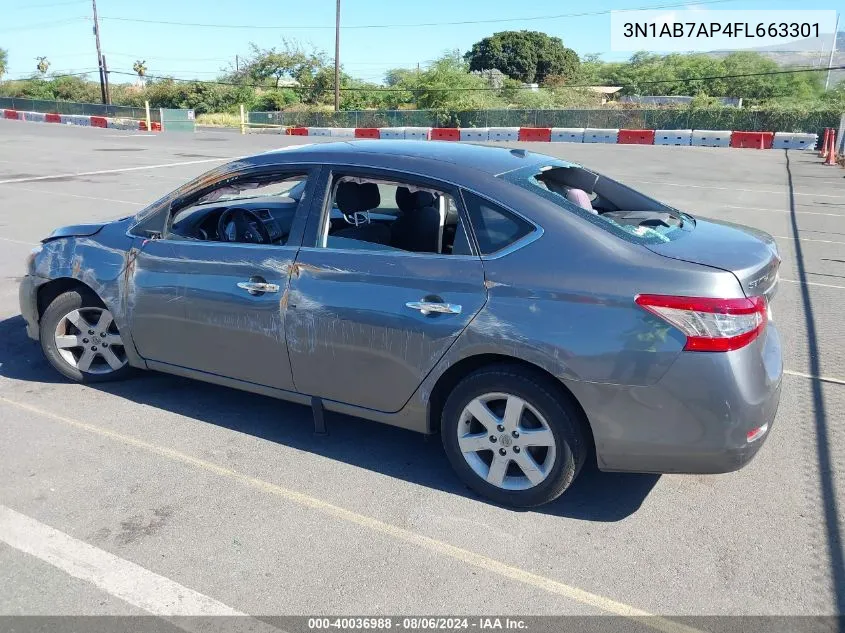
(532, 179)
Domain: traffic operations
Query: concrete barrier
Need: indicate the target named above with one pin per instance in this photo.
(672, 137)
(752, 140)
(75, 119)
(38, 117)
(567, 135)
(794, 140)
(600, 135)
(445, 134)
(535, 134)
(475, 134)
(711, 138)
(503, 133)
(319, 131)
(418, 133)
(636, 137)
(342, 132)
(122, 124)
(391, 132)
(367, 132)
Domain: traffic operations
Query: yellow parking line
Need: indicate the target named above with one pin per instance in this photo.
(471, 558)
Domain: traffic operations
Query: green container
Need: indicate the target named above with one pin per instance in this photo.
(177, 120)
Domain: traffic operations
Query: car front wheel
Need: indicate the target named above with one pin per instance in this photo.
(80, 339)
(511, 437)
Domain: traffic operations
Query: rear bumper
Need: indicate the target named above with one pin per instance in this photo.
(696, 419)
(28, 298)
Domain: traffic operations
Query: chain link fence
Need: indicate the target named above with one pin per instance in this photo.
(629, 118)
(71, 107)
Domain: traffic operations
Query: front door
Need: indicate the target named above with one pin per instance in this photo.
(200, 308)
(210, 295)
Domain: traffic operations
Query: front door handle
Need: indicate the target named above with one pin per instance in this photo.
(257, 287)
(429, 307)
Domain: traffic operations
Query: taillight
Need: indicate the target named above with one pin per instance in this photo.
(710, 325)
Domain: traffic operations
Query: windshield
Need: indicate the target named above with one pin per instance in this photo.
(604, 202)
(247, 190)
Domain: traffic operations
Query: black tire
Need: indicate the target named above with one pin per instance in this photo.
(60, 307)
(562, 417)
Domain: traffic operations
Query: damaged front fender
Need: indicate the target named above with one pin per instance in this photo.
(100, 256)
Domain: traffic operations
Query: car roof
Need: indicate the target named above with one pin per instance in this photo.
(484, 158)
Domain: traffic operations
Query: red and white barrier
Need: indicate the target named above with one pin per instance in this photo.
(698, 138)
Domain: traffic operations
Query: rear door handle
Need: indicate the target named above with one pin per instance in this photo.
(257, 287)
(429, 307)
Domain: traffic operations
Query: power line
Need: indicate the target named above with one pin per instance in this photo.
(172, 59)
(414, 25)
(489, 89)
(42, 25)
(44, 6)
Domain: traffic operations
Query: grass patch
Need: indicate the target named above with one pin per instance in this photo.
(219, 119)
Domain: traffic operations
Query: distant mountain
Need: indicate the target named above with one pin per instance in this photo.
(812, 53)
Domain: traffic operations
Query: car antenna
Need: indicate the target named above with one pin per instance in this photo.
(518, 152)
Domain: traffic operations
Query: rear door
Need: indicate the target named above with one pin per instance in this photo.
(366, 323)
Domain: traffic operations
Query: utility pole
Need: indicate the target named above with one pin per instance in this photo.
(337, 58)
(106, 78)
(832, 51)
(99, 54)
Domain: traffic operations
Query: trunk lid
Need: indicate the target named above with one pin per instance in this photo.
(750, 254)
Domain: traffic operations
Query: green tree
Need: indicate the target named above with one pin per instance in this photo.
(4, 59)
(43, 65)
(291, 61)
(140, 67)
(447, 85)
(526, 56)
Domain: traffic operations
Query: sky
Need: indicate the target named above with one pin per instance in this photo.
(61, 30)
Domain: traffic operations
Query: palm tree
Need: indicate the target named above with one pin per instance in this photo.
(3, 61)
(43, 65)
(140, 67)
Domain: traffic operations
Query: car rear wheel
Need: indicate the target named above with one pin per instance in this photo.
(80, 339)
(511, 437)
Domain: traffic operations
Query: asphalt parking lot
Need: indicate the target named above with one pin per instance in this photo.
(232, 498)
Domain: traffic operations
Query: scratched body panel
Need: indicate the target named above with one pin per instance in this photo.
(339, 326)
(351, 336)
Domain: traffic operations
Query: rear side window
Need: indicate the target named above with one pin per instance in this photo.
(495, 228)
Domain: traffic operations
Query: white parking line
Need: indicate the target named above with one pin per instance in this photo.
(732, 189)
(421, 541)
(811, 283)
(121, 578)
(835, 381)
(115, 171)
(769, 210)
(73, 195)
(806, 239)
(8, 239)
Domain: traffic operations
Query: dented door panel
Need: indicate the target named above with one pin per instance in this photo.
(222, 328)
(351, 336)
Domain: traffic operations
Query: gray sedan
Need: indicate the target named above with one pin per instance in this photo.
(535, 313)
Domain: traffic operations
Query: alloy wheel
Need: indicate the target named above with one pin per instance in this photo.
(88, 340)
(506, 441)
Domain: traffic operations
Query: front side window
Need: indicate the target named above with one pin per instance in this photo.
(374, 214)
(257, 209)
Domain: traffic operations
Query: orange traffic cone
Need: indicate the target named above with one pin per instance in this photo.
(831, 150)
(823, 148)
